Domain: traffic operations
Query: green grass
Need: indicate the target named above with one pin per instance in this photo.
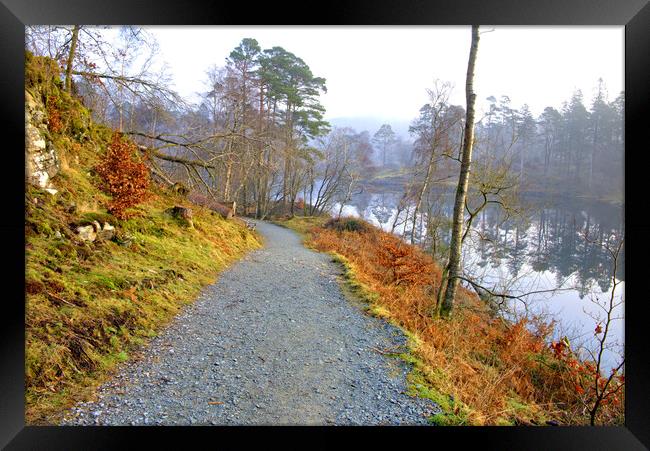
(360, 294)
(302, 224)
(421, 382)
(420, 376)
(90, 306)
(355, 287)
(420, 379)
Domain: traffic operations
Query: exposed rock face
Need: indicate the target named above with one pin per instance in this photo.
(41, 158)
(107, 232)
(87, 233)
(95, 231)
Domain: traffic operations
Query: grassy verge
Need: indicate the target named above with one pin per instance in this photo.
(481, 369)
(91, 305)
(369, 300)
(302, 224)
(419, 376)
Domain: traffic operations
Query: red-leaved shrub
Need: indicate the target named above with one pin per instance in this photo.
(505, 372)
(125, 178)
(54, 122)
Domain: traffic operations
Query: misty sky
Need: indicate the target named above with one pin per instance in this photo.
(383, 72)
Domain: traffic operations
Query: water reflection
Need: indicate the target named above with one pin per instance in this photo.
(554, 244)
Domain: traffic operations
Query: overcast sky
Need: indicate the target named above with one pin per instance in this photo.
(383, 72)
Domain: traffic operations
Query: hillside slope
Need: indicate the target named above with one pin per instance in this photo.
(286, 347)
(91, 300)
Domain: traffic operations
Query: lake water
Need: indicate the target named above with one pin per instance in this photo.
(556, 244)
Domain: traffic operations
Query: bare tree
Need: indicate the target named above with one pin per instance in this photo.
(605, 386)
(452, 270)
(434, 131)
(71, 55)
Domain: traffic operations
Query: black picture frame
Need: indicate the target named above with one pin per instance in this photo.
(15, 14)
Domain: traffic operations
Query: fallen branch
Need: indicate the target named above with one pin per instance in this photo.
(60, 299)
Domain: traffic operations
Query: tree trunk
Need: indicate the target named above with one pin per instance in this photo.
(226, 191)
(547, 157)
(455, 247)
(260, 157)
(425, 186)
(73, 49)
(521, 161)
(287, 157)
(593, 154)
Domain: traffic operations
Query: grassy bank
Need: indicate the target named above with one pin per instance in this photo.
(90, 305)
(481, 369)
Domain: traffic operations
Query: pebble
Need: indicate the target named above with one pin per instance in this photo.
(244, 316)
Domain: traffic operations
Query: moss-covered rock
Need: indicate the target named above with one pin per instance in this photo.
(41, 158)
(90, 303)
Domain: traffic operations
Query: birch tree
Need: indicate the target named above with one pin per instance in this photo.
(452, 271)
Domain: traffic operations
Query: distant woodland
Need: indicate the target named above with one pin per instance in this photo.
(257, 138)
(259, 135)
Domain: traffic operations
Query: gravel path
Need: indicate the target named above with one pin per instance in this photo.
(273, 341)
